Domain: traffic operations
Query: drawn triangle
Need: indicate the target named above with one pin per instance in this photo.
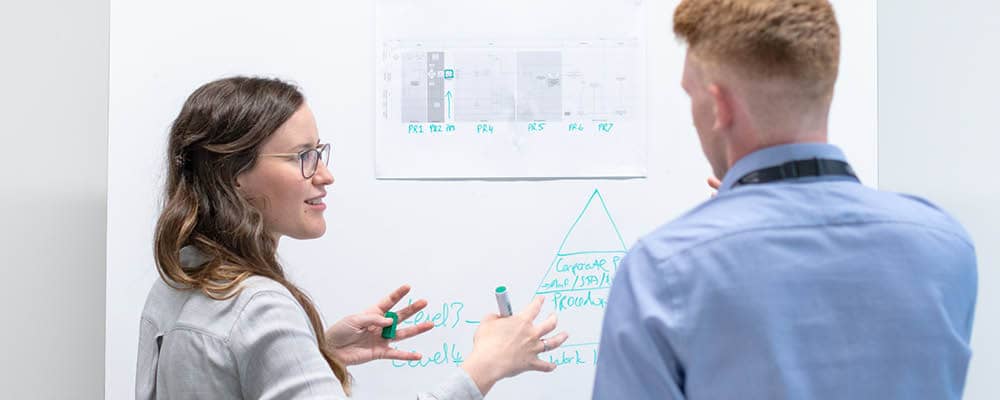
(589, 254)
(579, 278)
(594, 230)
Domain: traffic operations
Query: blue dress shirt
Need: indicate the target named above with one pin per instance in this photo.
(809, 288)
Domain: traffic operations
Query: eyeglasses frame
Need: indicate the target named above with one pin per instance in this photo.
(325, 147)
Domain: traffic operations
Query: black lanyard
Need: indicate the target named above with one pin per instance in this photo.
(798, 169)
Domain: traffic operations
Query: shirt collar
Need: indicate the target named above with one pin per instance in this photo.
(777, 155)
(192, 258)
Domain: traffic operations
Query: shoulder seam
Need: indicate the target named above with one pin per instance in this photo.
(190, 328)
(176, 325)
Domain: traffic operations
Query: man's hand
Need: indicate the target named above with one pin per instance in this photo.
(714, 183)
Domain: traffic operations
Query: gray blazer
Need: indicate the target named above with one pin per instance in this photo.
(256, 345)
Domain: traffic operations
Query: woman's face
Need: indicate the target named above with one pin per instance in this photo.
(291, 204)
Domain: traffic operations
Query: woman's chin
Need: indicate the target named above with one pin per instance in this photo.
(309, 232)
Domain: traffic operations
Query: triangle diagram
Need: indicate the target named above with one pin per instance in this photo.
(593, 230)
(579, 278)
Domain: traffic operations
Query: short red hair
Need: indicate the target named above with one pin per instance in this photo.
(765, 39)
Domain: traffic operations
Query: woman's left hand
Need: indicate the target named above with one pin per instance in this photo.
(357, 338)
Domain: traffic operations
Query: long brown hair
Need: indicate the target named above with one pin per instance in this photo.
(214, 139)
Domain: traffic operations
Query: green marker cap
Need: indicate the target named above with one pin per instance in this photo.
(389, 332)
(501, 289)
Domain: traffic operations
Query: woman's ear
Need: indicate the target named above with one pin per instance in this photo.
(240, 185)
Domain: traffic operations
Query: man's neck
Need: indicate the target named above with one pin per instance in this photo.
(738, 151)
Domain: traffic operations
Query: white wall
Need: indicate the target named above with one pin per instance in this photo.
(938, 136)
(53, 174)
(937, 83)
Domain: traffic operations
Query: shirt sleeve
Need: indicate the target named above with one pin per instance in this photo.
(458, 387)
(277, 356)
(276, 352)
(635, 358)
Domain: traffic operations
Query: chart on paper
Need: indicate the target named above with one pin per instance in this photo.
(572, 81)
(489, 104)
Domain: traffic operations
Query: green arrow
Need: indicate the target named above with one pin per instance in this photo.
(448, 96)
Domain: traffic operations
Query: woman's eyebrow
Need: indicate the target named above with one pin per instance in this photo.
(305, 146)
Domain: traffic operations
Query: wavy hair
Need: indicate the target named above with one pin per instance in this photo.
(214, 139)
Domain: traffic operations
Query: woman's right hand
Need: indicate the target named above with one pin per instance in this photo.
(505, 347)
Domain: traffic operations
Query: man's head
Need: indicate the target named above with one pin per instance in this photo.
(759, 73)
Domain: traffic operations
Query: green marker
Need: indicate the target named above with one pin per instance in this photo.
(503, 301)
(389, 332)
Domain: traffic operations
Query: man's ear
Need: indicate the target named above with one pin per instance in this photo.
(723, 107)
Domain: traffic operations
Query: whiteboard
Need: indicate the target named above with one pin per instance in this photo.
(454, 241)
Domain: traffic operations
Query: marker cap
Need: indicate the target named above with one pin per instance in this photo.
(503, 301)
(389, 332)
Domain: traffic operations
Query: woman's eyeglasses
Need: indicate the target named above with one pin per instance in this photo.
(308, 159)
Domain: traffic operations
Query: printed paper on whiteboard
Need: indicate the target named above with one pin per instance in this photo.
(510, 89)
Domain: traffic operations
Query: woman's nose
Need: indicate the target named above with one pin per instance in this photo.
(323, 175)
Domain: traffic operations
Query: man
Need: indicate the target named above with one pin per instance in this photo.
(795, 281)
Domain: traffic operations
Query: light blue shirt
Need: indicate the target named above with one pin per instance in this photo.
(810, 288)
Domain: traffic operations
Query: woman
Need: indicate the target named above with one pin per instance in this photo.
(246, 168)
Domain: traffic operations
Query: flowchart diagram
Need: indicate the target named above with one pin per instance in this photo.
(493, 108)
(495, 82)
